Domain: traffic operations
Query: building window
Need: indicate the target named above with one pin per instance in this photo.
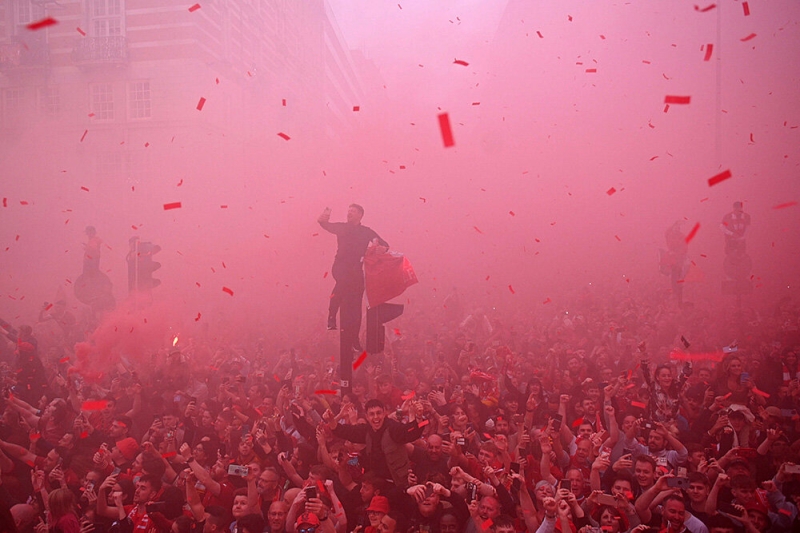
(105, 18)
(50, 101)
(139, 99)
(26, 12)
(13, 100)
(102, 101)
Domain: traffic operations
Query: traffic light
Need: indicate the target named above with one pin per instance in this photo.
(376, 317)
(141, 266)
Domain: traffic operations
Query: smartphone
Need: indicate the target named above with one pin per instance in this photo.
(606, 499)
(515, 467)
(472, 491)
(681, 471)
(565, 484)
(791, 469)
(710, 453)
(311, 492)
(730, 509)
(156, 507)
(428, 490)
(648, 425)
(678, 483)
(747, 453)
(557, 418)
(745, 376)
(398, 413)
(237, 470)
(461, 441)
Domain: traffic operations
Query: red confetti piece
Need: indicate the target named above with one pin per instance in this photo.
(167, 455)
(692, 233)
(201, 103)
(487, 524)
(85, 189)
(284, 136)
(424, 201)
(447, 133)
(81, 31)
(546, 301)
(640, 405)
(39, 24)
(646, 62)
(423, 423)
(705, 9)
(356, 108)
(283, 102)
(511, 289)
(709, 51)
(173, 205)
(540, 35)
(677, 99)
(325, 391)
(97, 405)
(746, 9)
(722, 176)
(408, 396)
(577, 422)
(476, 228)
(64, 360)
(786, 512)
(476, 103)
(194, 8)
(146, 145)
(84, 135)
(197, 318)
(360, 360)
(5, 202)
(180, 183)
(591, 70)
(617, 237)
(751, 36)
(460, 62)
(223, 207)
(49, 306)
(23, 202)
(611, 191)
(325, 275)
(784, 206)
(512, 213)
(226, 289)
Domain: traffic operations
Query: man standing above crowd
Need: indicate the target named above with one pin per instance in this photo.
(352, 240)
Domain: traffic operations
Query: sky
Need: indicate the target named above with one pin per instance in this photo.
(566, 170)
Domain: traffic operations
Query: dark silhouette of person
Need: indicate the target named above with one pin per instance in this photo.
(91, 250)
(352, 239)
(734, 225)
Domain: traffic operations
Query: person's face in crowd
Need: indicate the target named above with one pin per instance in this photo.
(574, 366)
(276, 517)
(199, 453)
(170, 421)
(593, 392)
(458, 486)
(488, 508)
(116, 456)
(428, 506)
(67, 441)
(387, 524)
(268, 483)
(536, 388)
(92, 479)
(589, 407)
(736, 421)
(485, 457)
(358, 388)
(143, 493)
(219, 469)
(51, 460)
(585, 431)
(255, 468)
(206, 419)
(606, 374)
(695, 458)
(674, 515)
(692, 403)
(268, 405)
(583, 450)
(645, 473)
(117, 430)
(621, 487)
(512, 406)
(504, 529)
(376, 417)
(375, 517)
(544, 491)
(434, 447)
(110, 408)
(744, 496)
(758, 519)
(664, 378)
(367, 492)
(735, 368)
(609, 521)
(239, 506)
(245, 447)
(50, 410)
(136, 466)
(704, 375)
(783, 392)
(779, 448)
(220, 424)
(698, 492)
(628, 424)
(448, 524)
(576, 481)
(459, 418)
(385, 388)
(656, 442)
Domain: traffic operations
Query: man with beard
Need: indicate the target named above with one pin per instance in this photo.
(427, 512)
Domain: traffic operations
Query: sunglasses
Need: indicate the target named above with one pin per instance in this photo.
(309, 529)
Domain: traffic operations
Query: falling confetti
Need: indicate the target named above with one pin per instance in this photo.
(360, 360)
(39, 24)
(447, 133)
(751, 36)
(84, 135)
(705, 9)
(709, 50)
(746, 8)
(611, 191)
(197, 318)
(284, 136)
(173, 205)
(677, 99)
(201, 103)
(226, 289)
(784, 206)
(460, 62)
(81, 31)
(722, 176)
(511, 289)
(194, 8)
(692, 233)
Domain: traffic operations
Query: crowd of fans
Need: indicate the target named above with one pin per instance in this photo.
(619, 415)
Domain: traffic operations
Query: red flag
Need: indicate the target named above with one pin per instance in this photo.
(387, 274)
(447, 133)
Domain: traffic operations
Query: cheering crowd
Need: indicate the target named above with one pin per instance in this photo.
(623, 414)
